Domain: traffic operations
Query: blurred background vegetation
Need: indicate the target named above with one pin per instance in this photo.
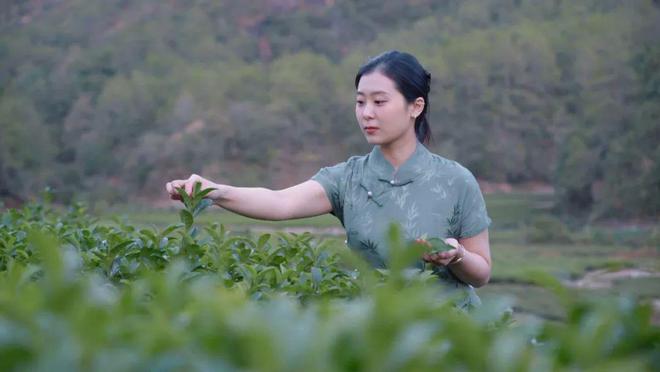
(108, 100)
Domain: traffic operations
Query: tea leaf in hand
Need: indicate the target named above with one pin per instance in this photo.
(206, 191)
(439, 245)
(187, 201)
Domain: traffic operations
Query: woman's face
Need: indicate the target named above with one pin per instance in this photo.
(382, 111)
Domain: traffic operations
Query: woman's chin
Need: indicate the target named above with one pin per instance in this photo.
(372, 140)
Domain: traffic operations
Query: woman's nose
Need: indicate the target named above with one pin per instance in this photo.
(368, 111)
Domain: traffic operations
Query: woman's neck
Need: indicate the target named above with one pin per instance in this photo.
(398, 152)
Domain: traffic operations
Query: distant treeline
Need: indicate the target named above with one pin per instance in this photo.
(109, 99)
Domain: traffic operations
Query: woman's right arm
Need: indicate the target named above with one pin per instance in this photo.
(303, 200)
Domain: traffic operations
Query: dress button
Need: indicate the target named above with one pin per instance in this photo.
(345, 241)
(392, 182)
(369, 193)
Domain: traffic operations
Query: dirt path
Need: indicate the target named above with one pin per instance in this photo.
(604, 278)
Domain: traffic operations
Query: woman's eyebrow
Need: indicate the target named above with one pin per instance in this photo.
(372, 93)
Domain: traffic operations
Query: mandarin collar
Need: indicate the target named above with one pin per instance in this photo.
(414, 166)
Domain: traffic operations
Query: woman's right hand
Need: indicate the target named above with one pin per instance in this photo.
(189, 184)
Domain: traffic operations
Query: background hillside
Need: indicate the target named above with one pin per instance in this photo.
(109, 100)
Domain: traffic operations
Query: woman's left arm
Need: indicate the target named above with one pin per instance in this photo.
(469, 260)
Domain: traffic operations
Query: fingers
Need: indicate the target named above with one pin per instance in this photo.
(188, 188)
(191, 182)
(187, 185)
(440, 258)
(171, 189)
(451, 241)
(422, 241)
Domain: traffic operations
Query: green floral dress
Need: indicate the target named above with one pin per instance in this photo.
(427, 196)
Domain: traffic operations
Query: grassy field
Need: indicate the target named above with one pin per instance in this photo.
(164, 217)
(515, 250)
(512, 264)
(506, 210)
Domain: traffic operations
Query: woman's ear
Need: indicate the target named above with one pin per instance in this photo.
(417, 107)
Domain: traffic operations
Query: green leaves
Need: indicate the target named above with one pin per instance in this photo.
(186, 218)
(185, 297)
(195, 203)
(439, 245)
(432, 245)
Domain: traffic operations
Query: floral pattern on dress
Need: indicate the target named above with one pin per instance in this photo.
(428, 196)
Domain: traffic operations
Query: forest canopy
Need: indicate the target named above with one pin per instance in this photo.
(98, 97)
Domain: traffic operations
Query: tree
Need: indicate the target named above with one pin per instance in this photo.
(25, 148)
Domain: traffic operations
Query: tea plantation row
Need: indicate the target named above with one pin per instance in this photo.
(77, 294)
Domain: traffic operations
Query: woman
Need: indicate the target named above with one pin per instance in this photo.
(399, 181)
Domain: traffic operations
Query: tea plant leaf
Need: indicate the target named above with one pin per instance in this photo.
(317, 275)
(187, 200)
(201, 206)
(186, 218)
(439, 245)
(168, 230)
(401, 255)
(202, 194)
(263, 239)
(71, 291)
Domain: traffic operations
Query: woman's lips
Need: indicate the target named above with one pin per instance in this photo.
(370, 130)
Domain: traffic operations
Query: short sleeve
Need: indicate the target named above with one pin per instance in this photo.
(331, 178)
(474, 216)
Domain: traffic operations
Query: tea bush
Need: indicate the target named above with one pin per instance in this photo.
(289, 263)
(77, 294)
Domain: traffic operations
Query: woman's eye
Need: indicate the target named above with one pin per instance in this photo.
(359, 103)
(380, 102)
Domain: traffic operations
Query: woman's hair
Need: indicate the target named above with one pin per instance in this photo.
(410, 78)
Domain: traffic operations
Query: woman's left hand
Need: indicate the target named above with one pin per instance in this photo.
(445, 258)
